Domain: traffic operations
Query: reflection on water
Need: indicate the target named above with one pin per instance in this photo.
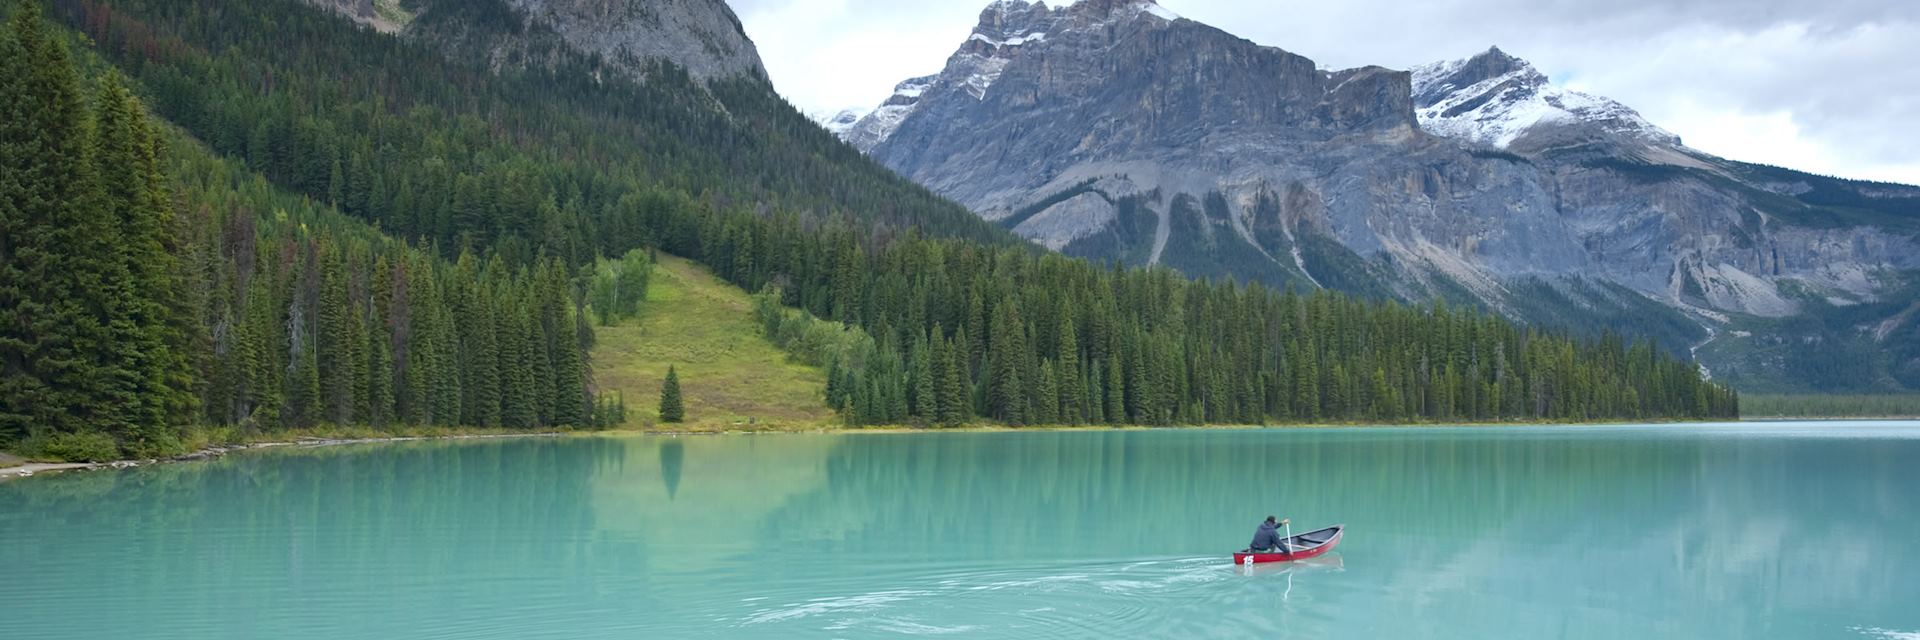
(672, 452)
(1700, 532)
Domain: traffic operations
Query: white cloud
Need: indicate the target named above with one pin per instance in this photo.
(1831, 87)
(827, 55)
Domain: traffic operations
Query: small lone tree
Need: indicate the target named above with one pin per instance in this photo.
(670, 408)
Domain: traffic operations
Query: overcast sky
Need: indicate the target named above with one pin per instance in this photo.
(1830, 86)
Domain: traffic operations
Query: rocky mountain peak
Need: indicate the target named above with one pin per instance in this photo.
(1435, 82)
(704, 37)
(868, 128)
(1113, 10)
(1498, 100)
(840, 122)
(1124, 45)
(1007, 16)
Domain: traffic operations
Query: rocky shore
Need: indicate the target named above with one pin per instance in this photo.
(30, 469)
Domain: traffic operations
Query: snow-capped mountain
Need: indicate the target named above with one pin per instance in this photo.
(1115, 130)
(1495, 99)
(869, 128)
(839, 123)
(1006, 29)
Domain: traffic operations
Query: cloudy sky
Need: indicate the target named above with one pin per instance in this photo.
(1830, 86)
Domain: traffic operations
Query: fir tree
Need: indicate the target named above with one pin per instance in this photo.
(954, 397)
(671, 409)
(1007, 391)
(1072, 388)
(920, 390)
(379, 375)
(1046, 396)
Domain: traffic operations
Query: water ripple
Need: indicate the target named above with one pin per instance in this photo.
(1133, 596)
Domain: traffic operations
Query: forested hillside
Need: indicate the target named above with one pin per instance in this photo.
(152, 289)
(535, 160)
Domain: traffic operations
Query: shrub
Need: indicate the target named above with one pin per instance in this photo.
(72, 447)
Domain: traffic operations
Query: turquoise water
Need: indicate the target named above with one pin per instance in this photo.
(1717, 531)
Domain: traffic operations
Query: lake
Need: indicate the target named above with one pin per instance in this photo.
(1760, 530)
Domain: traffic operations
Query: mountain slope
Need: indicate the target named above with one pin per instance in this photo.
(1113, 129)
(703, 37)
(426, 118)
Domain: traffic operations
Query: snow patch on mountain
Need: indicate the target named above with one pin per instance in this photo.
(840, 122)
(870, 127)
(1010, 42)
(1123, 9)
(1494, 99)
(1157, 10)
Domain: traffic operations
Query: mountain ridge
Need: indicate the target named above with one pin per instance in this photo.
(1166, 141)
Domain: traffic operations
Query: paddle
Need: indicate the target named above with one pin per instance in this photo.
(1286, 544)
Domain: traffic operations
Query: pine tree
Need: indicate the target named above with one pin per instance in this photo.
(1007, 390)
(134, 293)
(517, 409)
(479, 349)
(303, 404)
(671, 409)
(379, 375)
(1046, 396)
(836, 392)
(60, 281)
(570, 399)
(1072, 392)
(335, 367)
(259, 332)
(955, 399)
(920, 390)
(358, 363)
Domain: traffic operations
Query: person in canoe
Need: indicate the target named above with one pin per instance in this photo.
(1267, 538)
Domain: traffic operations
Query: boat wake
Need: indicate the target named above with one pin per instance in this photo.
(1076, 600)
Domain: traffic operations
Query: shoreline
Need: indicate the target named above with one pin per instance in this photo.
(27, 469)
(30, 469)
(897, 429)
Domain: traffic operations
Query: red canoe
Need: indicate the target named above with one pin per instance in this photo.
(1303, 546)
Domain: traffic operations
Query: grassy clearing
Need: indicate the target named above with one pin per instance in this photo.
(10, 460)
(731, 378)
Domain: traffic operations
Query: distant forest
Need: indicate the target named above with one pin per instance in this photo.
(1830, 406)
(348, 228)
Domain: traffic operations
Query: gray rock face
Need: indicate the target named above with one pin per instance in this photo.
(1114, 129)
(702, 36)
(356, 9)
(367, 12)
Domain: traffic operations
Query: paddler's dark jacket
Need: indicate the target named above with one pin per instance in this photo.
(1267, 537)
